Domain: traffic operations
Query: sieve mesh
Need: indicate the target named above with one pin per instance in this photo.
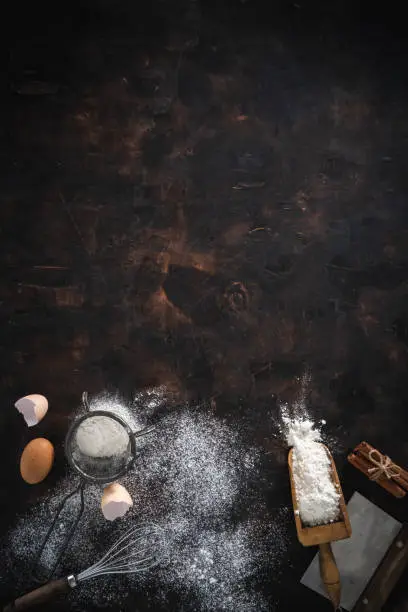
(100, 446)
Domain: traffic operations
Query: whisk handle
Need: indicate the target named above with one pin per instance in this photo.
(39, 596)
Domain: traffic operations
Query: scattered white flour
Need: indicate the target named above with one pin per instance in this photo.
(317, 497)
(149, 401)
(202, 461)
(194, 477)
(101, 436)
(216, 564)
(113, 403)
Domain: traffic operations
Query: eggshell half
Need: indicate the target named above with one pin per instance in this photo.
(36, 460)
(116, 501)
(33, 408)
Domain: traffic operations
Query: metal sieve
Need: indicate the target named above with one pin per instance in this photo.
(115, 457)
(104, 467)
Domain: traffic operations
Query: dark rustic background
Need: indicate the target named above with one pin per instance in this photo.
(209, 196)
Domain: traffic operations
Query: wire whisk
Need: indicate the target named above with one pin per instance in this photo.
(138, 550)
(135, 551)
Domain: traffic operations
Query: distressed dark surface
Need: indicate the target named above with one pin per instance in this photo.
(210, 199)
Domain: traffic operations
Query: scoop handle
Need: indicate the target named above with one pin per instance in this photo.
(38, 596)
(330, 574)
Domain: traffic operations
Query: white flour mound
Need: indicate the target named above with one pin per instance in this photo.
(317, 497)
(100, 436)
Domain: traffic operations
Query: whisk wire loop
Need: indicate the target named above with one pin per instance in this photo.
(135, 551)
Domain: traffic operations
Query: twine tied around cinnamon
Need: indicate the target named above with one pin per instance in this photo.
(383, 466)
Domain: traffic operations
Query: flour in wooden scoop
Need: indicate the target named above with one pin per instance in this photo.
(317, 497)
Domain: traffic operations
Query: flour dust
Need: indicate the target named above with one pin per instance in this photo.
(195, 478)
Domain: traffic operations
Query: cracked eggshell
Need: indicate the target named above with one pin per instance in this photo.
(36, 460)
(33, 408)
(116, 501)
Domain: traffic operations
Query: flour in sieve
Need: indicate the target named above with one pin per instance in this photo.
(101, 436)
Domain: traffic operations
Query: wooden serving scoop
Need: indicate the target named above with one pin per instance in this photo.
(322, 535)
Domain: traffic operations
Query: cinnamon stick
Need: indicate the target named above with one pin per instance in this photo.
(364, 450)
(363, 464)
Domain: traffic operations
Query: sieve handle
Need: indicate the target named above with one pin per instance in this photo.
(79, 490)
(39, 596)
(143, 432)
(85, 401)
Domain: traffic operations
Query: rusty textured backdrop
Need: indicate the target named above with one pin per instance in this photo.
(211, 197)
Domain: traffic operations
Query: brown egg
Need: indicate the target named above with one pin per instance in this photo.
(116, 501)
(33, 408)
(36, 460)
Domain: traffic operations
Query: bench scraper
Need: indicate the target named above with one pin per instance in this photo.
(369, 562)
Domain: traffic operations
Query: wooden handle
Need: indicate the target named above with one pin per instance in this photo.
(38, 596)
(386, 576)
(330, 574)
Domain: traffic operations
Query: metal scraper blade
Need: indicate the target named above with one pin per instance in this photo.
(359, 556)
